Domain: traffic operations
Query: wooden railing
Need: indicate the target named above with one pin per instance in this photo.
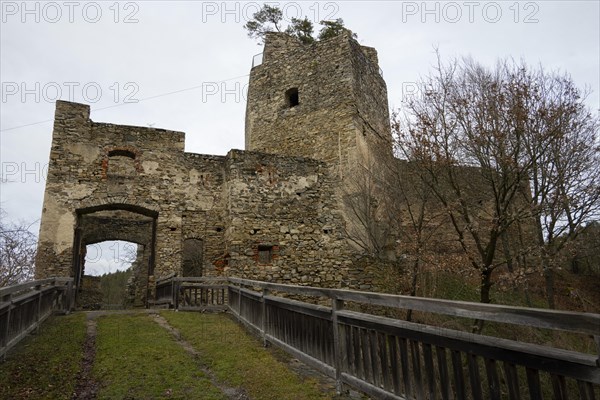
(25, 306)
(188, 293)
(389, 358)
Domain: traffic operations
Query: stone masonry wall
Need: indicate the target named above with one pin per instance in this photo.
(342, 98)
(287, 204)
(88, 173)
(103, 174)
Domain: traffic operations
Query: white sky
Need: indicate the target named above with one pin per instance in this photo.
(187, 63)
(110, 256)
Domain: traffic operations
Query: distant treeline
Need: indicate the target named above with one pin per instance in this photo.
(114, 289)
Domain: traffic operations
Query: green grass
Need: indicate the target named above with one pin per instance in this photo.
(45, 366)
(138, 359)
(238, 358)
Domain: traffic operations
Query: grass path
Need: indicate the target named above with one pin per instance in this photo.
(145, 355)
(239, 360)
(138, 359)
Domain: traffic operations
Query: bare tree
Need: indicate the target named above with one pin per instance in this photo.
(388, 211)
(368, 223)
(474, 132)
(17, 252)
(565, 173)
(460, 134)
(417, 221)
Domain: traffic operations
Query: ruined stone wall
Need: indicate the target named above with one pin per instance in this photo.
(114, 182)
(437, 227)
(95, 166)
(286, 205)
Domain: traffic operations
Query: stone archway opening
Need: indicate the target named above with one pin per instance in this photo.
(108, 274)
(119, 233)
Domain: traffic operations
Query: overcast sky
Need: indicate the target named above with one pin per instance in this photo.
(183, 65)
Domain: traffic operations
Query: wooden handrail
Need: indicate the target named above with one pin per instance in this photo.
(18, 318)
(571, 321)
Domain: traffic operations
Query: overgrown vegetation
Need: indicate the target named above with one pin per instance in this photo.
(269, 19)
(45, 365)
(239, 359)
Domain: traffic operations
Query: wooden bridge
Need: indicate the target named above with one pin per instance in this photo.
(347, 335)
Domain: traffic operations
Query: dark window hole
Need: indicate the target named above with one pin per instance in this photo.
(292, 97)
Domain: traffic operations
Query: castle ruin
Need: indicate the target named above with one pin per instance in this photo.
(271, 212)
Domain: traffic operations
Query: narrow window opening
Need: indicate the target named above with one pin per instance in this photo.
(292, 98)
(265, 254)
(121, 153)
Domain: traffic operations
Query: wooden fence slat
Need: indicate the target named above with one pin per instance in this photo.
(359, 354)
(366, 347)
(338, 343)
(429, 370)
(586, 390)
(324, 340)
(320, 348)
(385, 362)
(330, 343)
(406, 376)
(445, 384)
(395, 363)
(375, 358)
(459, 380)
(533, 382)
(474, 377)
(512, 381)
(559, 387)
(493, 380)
(349, 365)
(309, 333)
(416, 363)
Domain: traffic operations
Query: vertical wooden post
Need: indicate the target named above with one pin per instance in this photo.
(337, 305)
(68, 301)
(239, 311)
(4, 339)
(176, 285)
(38, 310)
(597, 340)
(265, 322)
(173, 291)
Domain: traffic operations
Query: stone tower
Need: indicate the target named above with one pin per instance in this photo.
(327, 101)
